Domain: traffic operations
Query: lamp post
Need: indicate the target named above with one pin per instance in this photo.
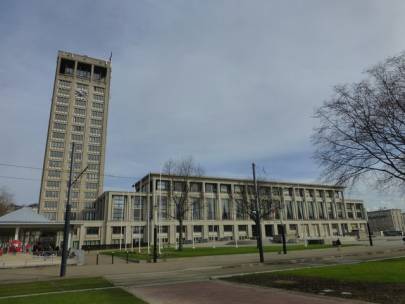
(66, 230)
(257, 215)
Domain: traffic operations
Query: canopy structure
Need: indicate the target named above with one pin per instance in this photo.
(27, 225)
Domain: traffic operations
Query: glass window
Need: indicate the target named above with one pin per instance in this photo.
(118, 207)
(210, 188)
(226, 215)
(225, 188)
(92, 230)
(211, 209)
(195, 187)
(196, 208)
(138, 203)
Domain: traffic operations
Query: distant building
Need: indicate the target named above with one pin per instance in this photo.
(386, 220)
(79, 111)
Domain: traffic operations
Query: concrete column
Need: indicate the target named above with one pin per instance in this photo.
(221, 231)
(17, 231)
(205, 232)
(235, 232)
(249, 231)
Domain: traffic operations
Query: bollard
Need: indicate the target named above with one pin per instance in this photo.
(112, 257)
(97, 259)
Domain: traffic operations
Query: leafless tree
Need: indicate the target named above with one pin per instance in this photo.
(179, 173)
(6, 201)
(362, 128)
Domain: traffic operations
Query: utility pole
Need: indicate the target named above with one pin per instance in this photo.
(67, 215)
(370, 238)
(258, 225)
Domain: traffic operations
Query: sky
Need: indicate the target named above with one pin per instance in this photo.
(226, 82)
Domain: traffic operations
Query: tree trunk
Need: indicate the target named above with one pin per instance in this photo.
(181, 235)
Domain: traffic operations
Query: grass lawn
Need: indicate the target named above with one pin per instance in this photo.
(113, 295)
(378, 281)
(207, 251)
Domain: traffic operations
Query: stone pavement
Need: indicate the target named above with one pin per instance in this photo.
(218, 292)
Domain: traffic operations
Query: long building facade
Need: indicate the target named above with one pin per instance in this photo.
(79, 111)
(307, 211)
(386, 220)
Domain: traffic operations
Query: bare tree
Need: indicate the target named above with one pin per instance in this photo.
(179, 173)
(362, 128)
(6, 201)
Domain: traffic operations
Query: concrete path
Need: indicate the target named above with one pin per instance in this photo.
(217, 292)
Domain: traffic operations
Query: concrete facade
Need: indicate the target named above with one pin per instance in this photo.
(386, 220)
(308, 211)
(78, 114)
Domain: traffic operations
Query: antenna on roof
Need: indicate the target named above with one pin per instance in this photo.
(110, 56)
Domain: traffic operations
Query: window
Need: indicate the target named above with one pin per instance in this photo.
(60, 108)
(211, 209)
(238, 188)
(63, 91)
(163, 207)
(118, 207)
(93, 167)
(276, 191)
(97, 105)
(51, 204)
(92, 230)
(66, 66)
(225, 188)
(289, 210)
(91, 176)
(64, 83)
(311, 210)
(210, 188)
(162, 185)
(93, 148)
(80, 102)
(56, 154)
(95, 139)
(60, 126)
(241, 213)
(54, 173)
(61, 117)
(77, 137)
(96, 122)
(97, 114)
(179, 186)
(228, 228)
(53, 184)
(89, 205)
(196, 208)
(77, 119)
(90, 194)
(300, 209)
(99, 90)
(50, 215)
(138, 229)
(195, 187)
(138, 203)
(197, 229)
(55, 163)
(96, 131)
(52, 194)
(226, 215)
(94, 157)
(57, 144)
(99, 73)
(80, 111)
(82, 87)
(58, 135)
(83, 70)
(91, 185)
(264, 191)
(77, 128)
(118, 230)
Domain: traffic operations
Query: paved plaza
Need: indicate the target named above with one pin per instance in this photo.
(199, 274)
